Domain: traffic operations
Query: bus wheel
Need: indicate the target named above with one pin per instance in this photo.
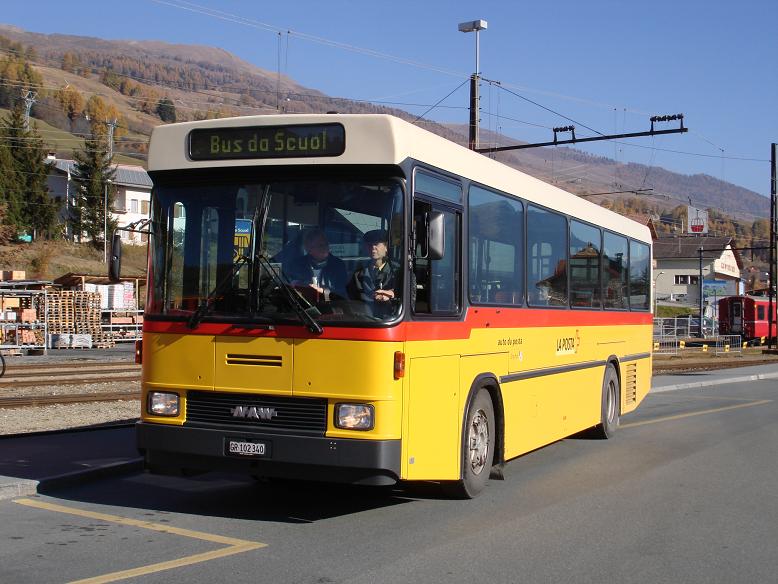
(478, 447)
(609, 409)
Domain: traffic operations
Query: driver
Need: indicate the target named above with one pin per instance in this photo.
(318, 270)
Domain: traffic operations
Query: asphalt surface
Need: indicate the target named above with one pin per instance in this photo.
(40, 462)
(683, 493)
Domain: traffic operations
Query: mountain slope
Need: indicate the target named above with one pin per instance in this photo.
(203, 80)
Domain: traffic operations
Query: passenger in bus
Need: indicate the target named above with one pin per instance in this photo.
(319, 274)
(375, 282)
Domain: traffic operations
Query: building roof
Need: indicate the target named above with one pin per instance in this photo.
(127, 175)
(687, 248)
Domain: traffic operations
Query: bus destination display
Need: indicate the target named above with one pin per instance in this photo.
(267, 142)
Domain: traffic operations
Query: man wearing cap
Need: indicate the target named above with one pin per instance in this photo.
(376, 282)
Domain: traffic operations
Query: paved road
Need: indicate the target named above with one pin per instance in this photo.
(684, 493)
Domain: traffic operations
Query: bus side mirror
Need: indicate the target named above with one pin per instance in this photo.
(436, 236)
(115, 264)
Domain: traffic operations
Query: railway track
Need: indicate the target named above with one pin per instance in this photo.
(19, 376)
(70, 398)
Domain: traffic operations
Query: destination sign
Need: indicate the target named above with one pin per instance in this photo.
(298, 141)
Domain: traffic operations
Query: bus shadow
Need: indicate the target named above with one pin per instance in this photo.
(236, 497)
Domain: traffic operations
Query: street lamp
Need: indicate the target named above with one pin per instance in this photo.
(655, 298)
(474, 26)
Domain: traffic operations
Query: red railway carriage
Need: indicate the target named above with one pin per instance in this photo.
(745, 316)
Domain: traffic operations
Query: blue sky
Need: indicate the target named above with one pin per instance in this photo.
(608, 65)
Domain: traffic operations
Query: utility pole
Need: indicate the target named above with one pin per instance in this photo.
(111, 128)
(29, 98)
(474, 26)
(773, 270)
(702, 307)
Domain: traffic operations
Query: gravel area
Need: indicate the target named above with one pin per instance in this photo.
(65, 416)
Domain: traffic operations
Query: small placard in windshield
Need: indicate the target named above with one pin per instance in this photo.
(299, 141)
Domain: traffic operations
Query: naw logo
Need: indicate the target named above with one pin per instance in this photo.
(253, 413)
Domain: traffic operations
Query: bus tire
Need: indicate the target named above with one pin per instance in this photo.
(477, 447)
(609, 404)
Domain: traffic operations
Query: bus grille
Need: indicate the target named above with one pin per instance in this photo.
(630, 383)
(277, 414)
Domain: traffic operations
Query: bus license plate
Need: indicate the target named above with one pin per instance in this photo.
(245, 448)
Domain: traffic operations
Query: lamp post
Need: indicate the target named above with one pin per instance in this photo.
(655, 299)
(105, 221)
(474, 26)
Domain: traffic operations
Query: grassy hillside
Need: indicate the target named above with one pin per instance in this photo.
(47, 260)
(64, 143)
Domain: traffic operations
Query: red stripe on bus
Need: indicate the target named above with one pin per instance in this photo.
(476, 318)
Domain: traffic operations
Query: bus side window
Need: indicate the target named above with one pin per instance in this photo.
(547, 258)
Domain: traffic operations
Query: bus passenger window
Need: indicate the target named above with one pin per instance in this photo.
(547, 258)
(585, 259)
(496, 248)
(615, 270)
(639, 276)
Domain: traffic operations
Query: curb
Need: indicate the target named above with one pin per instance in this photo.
(698, 384)
(26, 487)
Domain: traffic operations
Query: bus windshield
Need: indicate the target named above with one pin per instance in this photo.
(263, 252)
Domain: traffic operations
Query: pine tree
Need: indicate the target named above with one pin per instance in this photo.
(12, 137)
(32, 209)
(93, 176)
(9, 189)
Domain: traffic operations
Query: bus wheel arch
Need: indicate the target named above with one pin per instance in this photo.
(485, 400)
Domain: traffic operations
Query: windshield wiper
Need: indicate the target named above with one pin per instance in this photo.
(304, 309)
(205, 305)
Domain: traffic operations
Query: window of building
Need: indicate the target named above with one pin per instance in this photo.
(615, 271)
(144, 207)
(133, 205)
(547, 257)
(686, 279)
(496, 248)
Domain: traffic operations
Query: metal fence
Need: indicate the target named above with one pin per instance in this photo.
(728, 344)
(685, 328)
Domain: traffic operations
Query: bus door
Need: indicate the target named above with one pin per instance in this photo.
(736, 317)
(434, 424)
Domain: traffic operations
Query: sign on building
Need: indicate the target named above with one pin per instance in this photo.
(697, 220)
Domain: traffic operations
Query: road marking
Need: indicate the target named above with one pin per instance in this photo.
(700, 413)
(234, 545)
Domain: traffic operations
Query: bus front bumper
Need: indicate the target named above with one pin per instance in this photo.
(183, 449)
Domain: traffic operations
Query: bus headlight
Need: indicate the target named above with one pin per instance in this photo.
(162, 403)
(354, 416)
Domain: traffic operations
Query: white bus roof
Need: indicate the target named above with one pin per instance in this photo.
(383, 139)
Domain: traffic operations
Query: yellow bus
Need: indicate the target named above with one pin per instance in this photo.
(353, 298)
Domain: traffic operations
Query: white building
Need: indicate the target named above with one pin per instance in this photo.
(677, 269)
(133, 192)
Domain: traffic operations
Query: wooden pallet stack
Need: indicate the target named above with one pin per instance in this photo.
(60, 313)
(77, 314)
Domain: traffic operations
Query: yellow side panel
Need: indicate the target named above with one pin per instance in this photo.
(251, 365)
(430, 452)
(540, 410)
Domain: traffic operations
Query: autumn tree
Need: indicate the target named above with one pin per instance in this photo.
(71, 101)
